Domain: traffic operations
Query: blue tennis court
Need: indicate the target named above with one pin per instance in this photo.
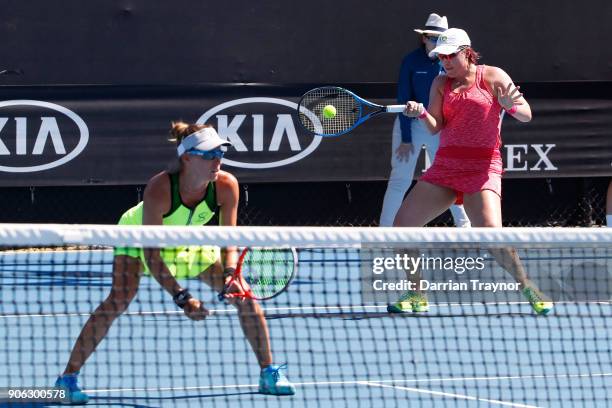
(340, 350)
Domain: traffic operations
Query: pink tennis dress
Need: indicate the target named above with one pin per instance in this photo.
(468, 159)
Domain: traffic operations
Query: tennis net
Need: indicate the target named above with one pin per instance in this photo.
(480, 343)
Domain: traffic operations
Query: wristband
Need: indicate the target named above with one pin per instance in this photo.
(182, 297)
(422, 115)
(512, 110)
(229, 271)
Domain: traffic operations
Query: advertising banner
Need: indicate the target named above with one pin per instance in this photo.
(80, 135)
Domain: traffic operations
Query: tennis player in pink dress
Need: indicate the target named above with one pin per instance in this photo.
(466, 105)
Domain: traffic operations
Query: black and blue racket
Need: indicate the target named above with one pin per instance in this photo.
(334, 111)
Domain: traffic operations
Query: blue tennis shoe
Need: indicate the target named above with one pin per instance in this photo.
(68, 383)
(272, 381)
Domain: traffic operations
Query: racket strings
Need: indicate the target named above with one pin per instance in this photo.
(268, 272)
(348, 111)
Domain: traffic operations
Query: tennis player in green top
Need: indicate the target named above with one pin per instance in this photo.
(190, 194)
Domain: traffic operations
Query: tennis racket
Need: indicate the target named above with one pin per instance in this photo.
(268, 272)
(350, 111)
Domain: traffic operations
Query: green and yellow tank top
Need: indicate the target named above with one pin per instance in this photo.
(186, 261)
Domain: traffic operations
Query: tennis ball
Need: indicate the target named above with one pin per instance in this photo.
(329, 112)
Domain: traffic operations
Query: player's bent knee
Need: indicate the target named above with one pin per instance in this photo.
(118, 302)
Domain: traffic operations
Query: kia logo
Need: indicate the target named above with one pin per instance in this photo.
(266, 130)
(30, 139)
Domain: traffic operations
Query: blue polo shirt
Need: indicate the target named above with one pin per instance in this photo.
(415, 78)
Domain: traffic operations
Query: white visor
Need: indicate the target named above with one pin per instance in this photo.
(204, 139)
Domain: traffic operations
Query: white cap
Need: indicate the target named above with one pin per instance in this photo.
(450, 41)
(434, 25)
(204, 139)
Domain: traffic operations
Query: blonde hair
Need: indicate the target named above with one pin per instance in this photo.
(181, 130)
(178, 131)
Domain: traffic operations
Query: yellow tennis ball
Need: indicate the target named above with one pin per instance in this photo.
(329, 111)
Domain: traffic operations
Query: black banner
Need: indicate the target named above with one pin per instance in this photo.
(79, 135)
(132, 42)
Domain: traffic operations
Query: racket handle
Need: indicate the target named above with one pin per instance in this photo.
(395, 108)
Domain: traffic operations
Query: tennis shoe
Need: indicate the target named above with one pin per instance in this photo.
(410, 301)
(539, 303)
(74, 394)
(272, 381)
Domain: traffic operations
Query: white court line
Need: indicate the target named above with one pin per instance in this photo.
(159, 389)
(451, 379)
(451, 395)
(356, 382)
(218, 311)
(346, 308)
